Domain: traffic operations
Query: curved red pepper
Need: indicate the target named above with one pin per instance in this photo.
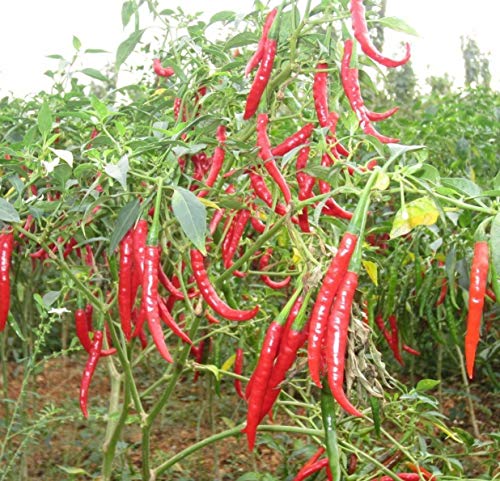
(88, 372)
(125, 300)
(263, 263)
(211, 297)
(362, 36)
(257, 56)
(162, 71)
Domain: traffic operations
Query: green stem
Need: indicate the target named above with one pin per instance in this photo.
(227, 434)
(115, 424)
(147, 473)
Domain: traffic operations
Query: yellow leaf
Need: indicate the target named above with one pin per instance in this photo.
(208, 203)
(159, 91)
(297, 258)
(228, 364)
(421, 211)
(372, 271)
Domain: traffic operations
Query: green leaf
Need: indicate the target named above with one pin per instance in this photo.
(128, 9)
(399, 149)
(65, 155)
(126, 219)
(421, 211)
(50, 297)
(71, 470)
(44, 120)
(127, 47)
(100, 107)
(426, 385)
(224, 16)
(192, 216)
(240, 40)
(14, 325)
(495, 242)
(429, 172)
(76, 43)
(375, 405)
(462, 186)
(92, 72)
(119, 171)
(398, 25)
(7, 212)
(96, 50)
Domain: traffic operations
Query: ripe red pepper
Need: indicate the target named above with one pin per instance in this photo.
(237, 228)
(428, 476)
(295, 140)
(260, 380)
(168, 284)
(477, 290)
(170, 322)
(350, 83)
(324, 300)
(238, 369)
(390, 337)
(293, 338)
(266, 155)
(125, 300)
(310, 469)
(336, 340)
(263, 263)
(306, 184)
(210, 295)
(257, 56)
(83, 328)
(361, 33)
(150, 299)
(6, 246)
(402, 476)
(162, 71)
(217, 160)
(262, 191)
(410, 350)
(140, 235)
(261, 78)
(88, 372)
(326, 118)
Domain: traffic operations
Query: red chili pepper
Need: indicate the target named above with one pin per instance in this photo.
(444, 288)
(217, 160)
(326, 118)
(261, 78)
(428, 476)
(261, 377)
(267, 157)
(237, 228)
(477, 290)
(170, 322)
(410, 350)
(390, 337)
(395, 339)
(350, 83)
(168, 284)
(306, 184)
(140, 235)
(263, 263)
(260, 188)
(125, 300)
(211, 297)
(257, 56)
(309, 469)
(402, 476)
(211, 318)
(238, 369)
(150, 299)
(295, 140)
(293, 338)
(6, 246)
(324, 300)
(83, 328)
(336, 340)
(361, 33)
(257, 224)
(88, 372)
(197, 352)
(162, 71)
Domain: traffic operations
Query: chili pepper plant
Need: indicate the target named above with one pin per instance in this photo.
(233, 224)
